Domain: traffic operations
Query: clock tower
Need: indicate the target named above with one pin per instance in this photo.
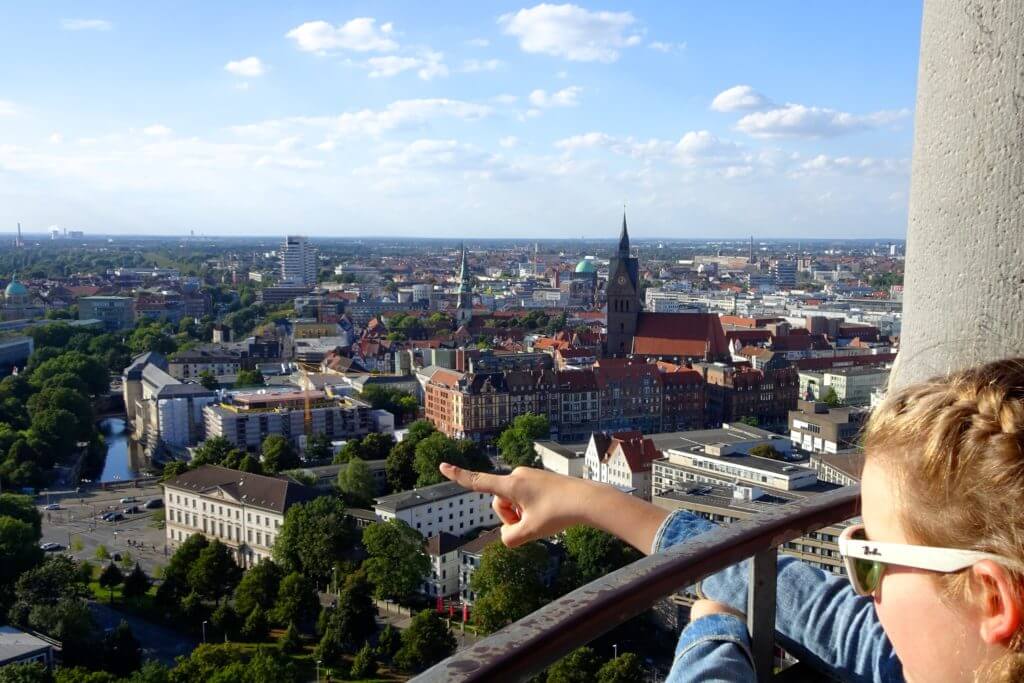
(623, 295)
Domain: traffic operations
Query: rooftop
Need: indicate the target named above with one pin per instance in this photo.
(15, 644)
(270, 493)
(420, 496)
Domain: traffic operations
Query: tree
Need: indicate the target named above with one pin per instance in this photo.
(579, 666)
(516, 443)
(214, 573)
(173, 469)
(258, 587)
(297, 600)
(750, 420)
(151, 337)
(121, 651)
(426, 642)
(765, 450)
(49, 428)
(329, 648)
(249, 378)
(365, 664)
(396, 564)
(278, 455)
(19, 549)
(136, 584)
(313, 537)
(226, 620)
(257, 627)
(251, 464)
(176, 583)
(399, 469)
(319, 448)
(354, 619)
(508, 584)
(831, 398)
(356, 483)
(60, 398)
(399, 403)
(87, 368)
(33, 672)
(290, 642)
(56, 580)
(213, 451)
(209, 380)
(21, 507)
(431, 452)
(388, 642)
(592, 553)
(623, 669)
(111, 576)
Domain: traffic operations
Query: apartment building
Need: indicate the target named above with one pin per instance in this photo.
(243, 511)
(816, 428)
(444, 507)
(622, 459)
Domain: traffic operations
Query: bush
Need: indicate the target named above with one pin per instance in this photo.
(364, 665)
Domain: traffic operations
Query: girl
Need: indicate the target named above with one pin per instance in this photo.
(935, 571)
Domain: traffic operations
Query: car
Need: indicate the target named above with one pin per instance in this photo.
(131, 510)
(128, 499)
(50, 547)
(106, 516)
(115, 517)
(52, 506)
(154, 503)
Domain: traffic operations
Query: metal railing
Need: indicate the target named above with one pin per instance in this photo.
(534, 642)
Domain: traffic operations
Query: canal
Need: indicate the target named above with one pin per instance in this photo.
(125, 459)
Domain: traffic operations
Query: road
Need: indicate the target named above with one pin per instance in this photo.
(78, 521)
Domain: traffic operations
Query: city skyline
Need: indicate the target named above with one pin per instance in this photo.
(509, 120)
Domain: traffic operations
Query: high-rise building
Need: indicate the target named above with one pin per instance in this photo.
(298, 261)
(784, 273)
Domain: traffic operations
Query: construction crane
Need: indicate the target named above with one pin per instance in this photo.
(305, 369)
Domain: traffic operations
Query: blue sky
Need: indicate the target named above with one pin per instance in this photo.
(479, 119)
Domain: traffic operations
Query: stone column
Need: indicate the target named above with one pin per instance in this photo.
(964, 293)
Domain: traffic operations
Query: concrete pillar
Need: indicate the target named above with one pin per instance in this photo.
(964, 293)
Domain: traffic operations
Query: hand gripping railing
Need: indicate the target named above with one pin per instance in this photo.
(526, 647)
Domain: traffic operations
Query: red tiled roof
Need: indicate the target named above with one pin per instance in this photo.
(679, 334)
(638, 451)
(747, 337)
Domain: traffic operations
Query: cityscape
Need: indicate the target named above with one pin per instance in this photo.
(547, 343)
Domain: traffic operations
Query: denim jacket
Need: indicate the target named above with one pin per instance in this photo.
(818, 619)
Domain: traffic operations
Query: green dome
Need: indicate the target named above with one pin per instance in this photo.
(586, 266)
(15, 289)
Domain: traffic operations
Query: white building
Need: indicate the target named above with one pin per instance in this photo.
(441, 507)
(567, 459)
(622, 460)
(243, 511)
(298, 261)
(443, 552)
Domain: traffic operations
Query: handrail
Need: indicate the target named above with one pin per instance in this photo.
(526, 647)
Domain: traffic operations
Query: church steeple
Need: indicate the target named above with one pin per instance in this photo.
(464, 294)
(463, 275)
(624, 238)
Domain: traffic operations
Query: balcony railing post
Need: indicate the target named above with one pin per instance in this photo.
(761, 611)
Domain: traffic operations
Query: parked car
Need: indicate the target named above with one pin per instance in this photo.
(50, 547)
(128, 499)
(132, 509)
(52, 506)
(154, 503)
(115, 517)
(106, 516)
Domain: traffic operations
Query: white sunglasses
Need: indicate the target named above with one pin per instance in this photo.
(866, 560)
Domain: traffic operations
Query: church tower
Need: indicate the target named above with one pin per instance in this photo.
(464, 307)
(623, 295)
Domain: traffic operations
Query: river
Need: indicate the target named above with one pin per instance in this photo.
(124, 458)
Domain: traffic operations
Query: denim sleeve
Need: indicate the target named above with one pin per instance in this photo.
(713, 649)
(818, 617)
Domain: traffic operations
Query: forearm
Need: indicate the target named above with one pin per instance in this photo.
(631, 519)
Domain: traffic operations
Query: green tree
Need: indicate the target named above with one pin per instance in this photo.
(314, 536)
(396, 564)
(213, 451)
(49, 434)
(278, 455)
(249, 378)
(151, 337)
(354, 619)
(214, 573)
(356, 483)
(426, 642)
(173, 469)
(60, 398)
(319, 448)
(399, 467)
(209, 380)
(251, 464)
(508, 584)
(257, 626)
(388, 642)
(765, 450)
(87, 368)
(297, 600)
(258, 587)
(623, 669)
(226, 620)
(516, 443)
(19, 549)
(831, 398)
(111, 576)
(438, 448)
(751, 421)
(121, 651)
(592, 553)
(176, 574)
(329, 650)
(21, 507)
(136, 584)
(579, 666)
(33, 672)
(365, 663)
(55, 581)
(290, 642)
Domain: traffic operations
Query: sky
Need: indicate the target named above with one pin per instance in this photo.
(473, 119)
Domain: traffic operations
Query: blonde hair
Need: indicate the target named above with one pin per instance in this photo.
(955, 445)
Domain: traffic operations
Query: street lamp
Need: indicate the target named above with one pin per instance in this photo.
(204, 631)
(615, 648)
(318, 663)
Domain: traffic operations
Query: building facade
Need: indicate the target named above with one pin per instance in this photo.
(444, 507)
(116, 312)
(298, 261)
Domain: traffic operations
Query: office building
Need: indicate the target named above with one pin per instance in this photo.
(816, 428)
(298, 261)
(440, 507)
(116, 312)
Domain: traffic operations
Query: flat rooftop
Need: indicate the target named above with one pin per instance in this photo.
(420, 496)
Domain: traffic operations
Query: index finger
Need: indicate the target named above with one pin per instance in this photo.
(476, 481)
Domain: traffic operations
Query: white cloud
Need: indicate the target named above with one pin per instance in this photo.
(250, 67)
(7, 108)
(666, 47)
(823, 164)
(86, 25)
(509, 142)
(428, 65)
(505, 98)
(797, 120)
(566, 97)
(694, 149)
(585, 141)
(56, 138)
(157, 130)
(478, 42)
(358, 35)
(428, 155)
(739, 98)
(571, 32)
(477, 65)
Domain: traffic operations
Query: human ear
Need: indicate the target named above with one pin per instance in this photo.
(998, 602)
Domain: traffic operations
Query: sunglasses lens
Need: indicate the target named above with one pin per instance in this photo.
(867, 574)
